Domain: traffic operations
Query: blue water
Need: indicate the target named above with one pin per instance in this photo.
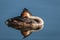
(49, 10)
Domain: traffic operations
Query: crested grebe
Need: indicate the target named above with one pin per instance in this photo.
(26, 23)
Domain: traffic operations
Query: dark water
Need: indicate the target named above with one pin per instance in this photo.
(49, 10)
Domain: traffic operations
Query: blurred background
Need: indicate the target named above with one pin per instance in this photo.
(49, 10)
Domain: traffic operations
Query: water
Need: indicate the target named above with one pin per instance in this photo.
(49, 10)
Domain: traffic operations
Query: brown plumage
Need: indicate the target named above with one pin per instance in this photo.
(26, 23)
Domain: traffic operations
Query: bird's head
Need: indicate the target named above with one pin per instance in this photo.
(26, 13)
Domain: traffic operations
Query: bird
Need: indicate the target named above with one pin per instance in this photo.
(26, 23)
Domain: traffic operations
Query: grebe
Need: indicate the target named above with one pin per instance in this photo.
(26, 23)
